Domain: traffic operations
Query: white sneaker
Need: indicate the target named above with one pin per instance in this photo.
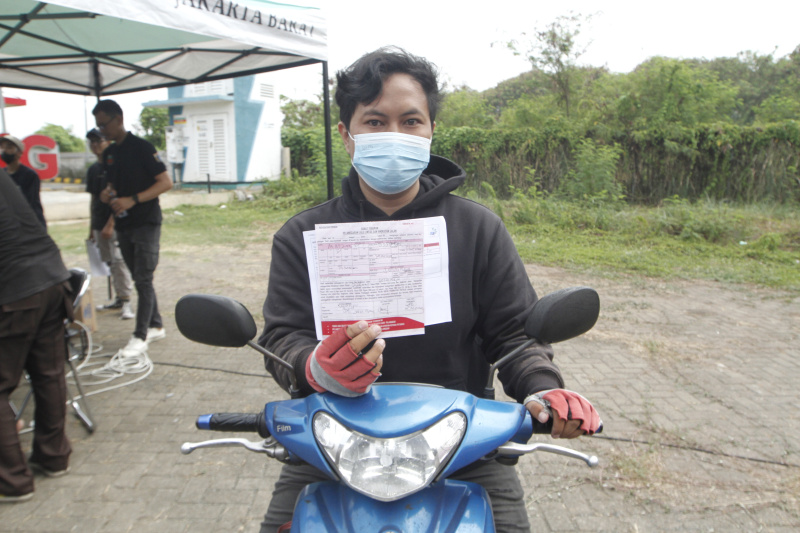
(155, 334)
(134, 348)
(127, 311)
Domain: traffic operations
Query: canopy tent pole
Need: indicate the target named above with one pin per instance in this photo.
(328, 144)
(96, 78)
(2, 112)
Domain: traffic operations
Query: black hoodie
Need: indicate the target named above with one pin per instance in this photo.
(490, 295)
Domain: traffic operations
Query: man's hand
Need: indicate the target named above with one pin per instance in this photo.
(573, 415)
(337, 364)
(121, 204)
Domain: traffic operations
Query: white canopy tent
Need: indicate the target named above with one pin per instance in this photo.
(92, 47)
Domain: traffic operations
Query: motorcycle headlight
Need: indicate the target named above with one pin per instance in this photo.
(389, 469)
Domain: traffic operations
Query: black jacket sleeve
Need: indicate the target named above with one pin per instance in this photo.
(30, 187)
(506, 297)
(288, 312)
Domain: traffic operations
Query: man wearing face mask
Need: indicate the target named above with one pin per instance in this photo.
(11, 150)
(388, 101)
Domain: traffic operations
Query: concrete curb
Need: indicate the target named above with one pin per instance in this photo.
(60, 205)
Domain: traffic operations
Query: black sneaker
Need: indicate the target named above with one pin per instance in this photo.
(33, 465)
(116, 304)
(6, 498)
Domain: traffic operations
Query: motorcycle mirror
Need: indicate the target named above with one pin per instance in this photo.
(214, 320)
(563, 314)
(556, 317)
(221, 321)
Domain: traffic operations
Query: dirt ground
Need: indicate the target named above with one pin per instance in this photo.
(697, 384)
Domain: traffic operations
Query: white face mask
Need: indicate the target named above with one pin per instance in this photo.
(390, 162)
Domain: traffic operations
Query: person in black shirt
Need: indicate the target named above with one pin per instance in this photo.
(11, 150)
(136, 177)
(33, 306)
(388, 101)
(101, 229)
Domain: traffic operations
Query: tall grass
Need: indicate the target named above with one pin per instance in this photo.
(754, 244)
(757, 244)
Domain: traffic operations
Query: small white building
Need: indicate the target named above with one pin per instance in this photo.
(226, 132)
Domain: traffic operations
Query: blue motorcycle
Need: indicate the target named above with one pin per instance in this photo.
(388, 471)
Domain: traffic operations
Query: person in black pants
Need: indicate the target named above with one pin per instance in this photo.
(136, 177)
(387, 108)
(101, 229)
(34, 302)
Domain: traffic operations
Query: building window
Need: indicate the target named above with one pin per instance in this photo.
(267, 91)
(209, 88)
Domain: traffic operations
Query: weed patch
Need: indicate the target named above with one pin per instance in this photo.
(752, 244)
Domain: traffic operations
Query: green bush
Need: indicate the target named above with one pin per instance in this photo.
(296, 192)
(723, 162)
(307, 149)
(593, 176)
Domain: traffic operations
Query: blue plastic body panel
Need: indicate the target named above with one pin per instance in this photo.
(397, 409)
(455, 506)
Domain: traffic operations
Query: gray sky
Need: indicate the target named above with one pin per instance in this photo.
(458, 36)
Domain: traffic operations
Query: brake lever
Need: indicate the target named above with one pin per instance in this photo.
(259, 447)
(268, 446)
(516, 449)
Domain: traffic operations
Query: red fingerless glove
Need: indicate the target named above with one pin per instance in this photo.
(334, 366)
(572, 406)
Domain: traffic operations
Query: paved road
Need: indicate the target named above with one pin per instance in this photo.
(697, 385)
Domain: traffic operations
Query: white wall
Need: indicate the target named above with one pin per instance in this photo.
(265, 159)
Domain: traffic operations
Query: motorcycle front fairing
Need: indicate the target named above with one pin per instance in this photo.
(389, 411)
(394, 410)
(444, 506)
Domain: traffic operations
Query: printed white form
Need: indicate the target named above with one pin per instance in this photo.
(391, 273)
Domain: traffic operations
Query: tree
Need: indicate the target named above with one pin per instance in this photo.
(663, 90)
(531, 83)
(465, 107)
(784, 101)
(778, 108)
(529, 111)
(555, 51)
(754, 76)
(301, 114)
(67, 142)
(153, 122)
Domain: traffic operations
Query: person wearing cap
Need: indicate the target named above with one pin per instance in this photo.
(101, 229)
(11, 150)
(136, 178)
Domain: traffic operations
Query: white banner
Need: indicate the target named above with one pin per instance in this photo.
(282, 27)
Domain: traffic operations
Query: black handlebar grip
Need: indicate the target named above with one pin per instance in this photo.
(234, 422)
(547, 427)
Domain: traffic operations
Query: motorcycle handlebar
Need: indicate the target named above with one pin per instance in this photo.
(536, 427)
(234, 422)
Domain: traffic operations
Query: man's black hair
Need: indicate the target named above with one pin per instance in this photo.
(109, 107)
(94, 133)
(362, 82)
